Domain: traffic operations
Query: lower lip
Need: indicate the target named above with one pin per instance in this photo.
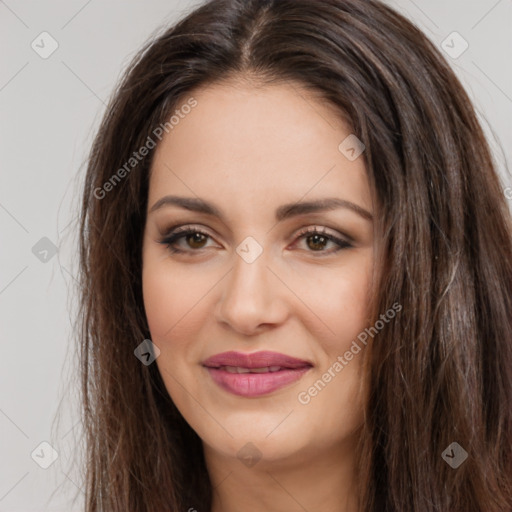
(255, 384)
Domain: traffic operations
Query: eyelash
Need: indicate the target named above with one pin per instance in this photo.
(182, 232)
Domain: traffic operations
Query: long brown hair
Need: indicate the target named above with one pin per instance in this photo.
(440, 374)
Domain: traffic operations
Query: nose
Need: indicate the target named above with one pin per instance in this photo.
(253, 297)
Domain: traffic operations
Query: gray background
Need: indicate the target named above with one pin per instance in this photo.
(49, 110)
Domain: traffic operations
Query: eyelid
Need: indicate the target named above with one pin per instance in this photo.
(174, 230)
(185, 228)
(342, 241)
(177, 233)
(325, 231)
(312, 228)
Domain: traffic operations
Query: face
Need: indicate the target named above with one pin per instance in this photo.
(255, 308)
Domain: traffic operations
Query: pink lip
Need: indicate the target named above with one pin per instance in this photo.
(255, 384)
(254, 360)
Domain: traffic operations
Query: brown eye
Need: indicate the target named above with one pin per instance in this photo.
(317, 239)
(317, 242)
(195, 240)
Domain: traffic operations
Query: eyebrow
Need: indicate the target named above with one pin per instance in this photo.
(285, 211)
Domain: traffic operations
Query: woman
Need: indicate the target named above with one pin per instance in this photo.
(296, 273)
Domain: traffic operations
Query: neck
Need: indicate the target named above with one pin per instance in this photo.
(314, 481)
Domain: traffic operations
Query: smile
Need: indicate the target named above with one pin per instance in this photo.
(257, 374)
(256, 381)
(239, 369)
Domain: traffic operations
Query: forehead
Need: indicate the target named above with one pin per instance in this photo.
(243, 140)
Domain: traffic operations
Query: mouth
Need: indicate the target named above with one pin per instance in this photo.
(241, 369)
(255, 374)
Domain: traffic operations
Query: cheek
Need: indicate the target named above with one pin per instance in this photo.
(338, 299)
(332, 395)
(173, 312)
(348, 313)
(169, 295)
(160, 299)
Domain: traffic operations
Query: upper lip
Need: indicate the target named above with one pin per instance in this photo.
(254, 360)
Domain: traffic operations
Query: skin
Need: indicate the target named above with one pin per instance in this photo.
(249, 150)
